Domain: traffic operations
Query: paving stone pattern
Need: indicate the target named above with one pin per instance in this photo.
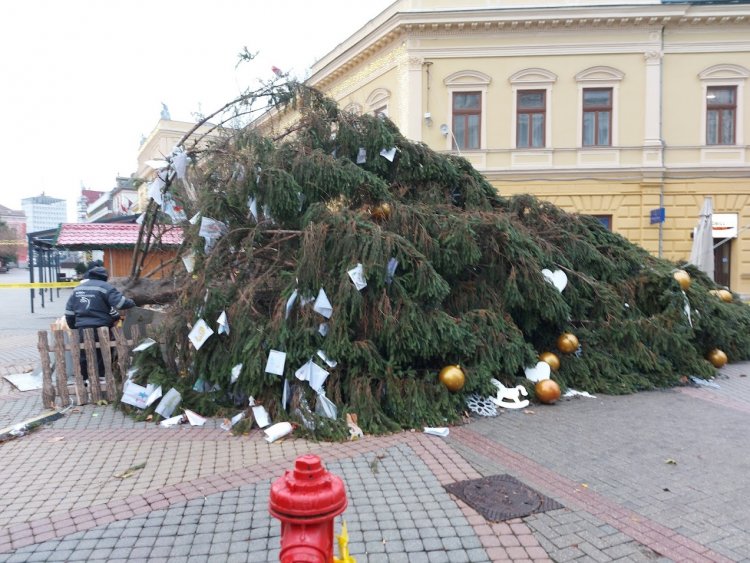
(398, 512)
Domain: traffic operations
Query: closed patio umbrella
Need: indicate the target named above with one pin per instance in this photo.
(702, 253)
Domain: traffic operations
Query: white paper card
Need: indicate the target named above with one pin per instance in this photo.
(211, 228)
(200, 333)
(189, 261)
(261, 416)
(153, 396)
(440, 431)
(362, 155)
(231, 422)
(391, 270)
(323, 329)
(194, 418)
(322, 305)
(325, 407)
(285, 394)
(252, 205)
(195, 218)
(277, 431)
(331, 363)
(388, 154)
(180, 162)
(169, 403)
(236, 373)
(223, 323)
(275, 363)
(357, 275)
(174, 421)
(136, 395)
(144, 345)
(313, 374)
(290, 303)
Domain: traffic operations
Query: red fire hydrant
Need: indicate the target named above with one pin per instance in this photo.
(306, 501)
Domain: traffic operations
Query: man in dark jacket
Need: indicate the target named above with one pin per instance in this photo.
(93, 304)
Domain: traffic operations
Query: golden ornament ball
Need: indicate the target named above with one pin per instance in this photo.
(567, 343)
(547, 391)
(683, 278)
(381, 212)
(551, 359)
(717, 357)
(452, 377)
(725, 296)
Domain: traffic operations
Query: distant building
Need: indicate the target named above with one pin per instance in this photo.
(16, 220)
(621, 110)
(44, 212)
(120, 200)
(159, 145)
(87, 198)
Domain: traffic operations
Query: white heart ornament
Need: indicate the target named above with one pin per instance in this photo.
(556, 278)
(538, 373)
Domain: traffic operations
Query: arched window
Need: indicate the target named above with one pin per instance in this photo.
(467, 98)
(532, 107)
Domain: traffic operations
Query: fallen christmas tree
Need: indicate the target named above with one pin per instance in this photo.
(289, 230)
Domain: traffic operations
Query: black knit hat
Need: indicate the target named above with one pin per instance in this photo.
(98, 273)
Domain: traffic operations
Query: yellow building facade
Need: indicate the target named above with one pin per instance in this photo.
(611, 110)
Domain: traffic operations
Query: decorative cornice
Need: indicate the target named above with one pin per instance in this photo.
(398, 21)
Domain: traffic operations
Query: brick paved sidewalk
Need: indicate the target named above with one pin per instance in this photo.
(202, 494)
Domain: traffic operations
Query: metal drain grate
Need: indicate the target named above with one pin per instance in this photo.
(501, 497)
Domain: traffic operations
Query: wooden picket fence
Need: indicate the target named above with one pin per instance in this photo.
(114, 368)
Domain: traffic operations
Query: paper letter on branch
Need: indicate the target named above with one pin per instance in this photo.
(200, 333)
(194, 418)
(357, 274)
(236, 373)
(261, 416)
(223, 323)
(290, 303)
(322, 305)
(275, 363)
(313, 374)
(169, 403)
(388, 154)
(145, 344)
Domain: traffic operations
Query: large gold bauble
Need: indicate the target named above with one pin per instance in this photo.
(551, 359)
(547, 391)
(683, 278)
(717, 357)
(725, 296)
(452, 377)
(381, 212)
(567, 343)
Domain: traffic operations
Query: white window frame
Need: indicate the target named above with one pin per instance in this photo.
(600, 77)
(377, 100)
(465, 81)
(532, 79)
(727, 75)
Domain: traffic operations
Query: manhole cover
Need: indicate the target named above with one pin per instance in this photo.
(501, 497)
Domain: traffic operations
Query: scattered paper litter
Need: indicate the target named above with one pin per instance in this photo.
(704, 382)
(169, 403)
(574, 393)
(144, 345)
(278, 430)
(440, 431)
(194, 418)
(261, 416)
(229, 423)
(174, 421)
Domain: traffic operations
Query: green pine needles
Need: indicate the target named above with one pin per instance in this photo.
(467, 287)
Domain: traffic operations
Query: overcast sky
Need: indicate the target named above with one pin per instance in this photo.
(82, 80)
